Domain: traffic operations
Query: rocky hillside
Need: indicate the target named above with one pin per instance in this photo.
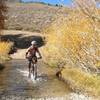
(13, 1)
(30, 16)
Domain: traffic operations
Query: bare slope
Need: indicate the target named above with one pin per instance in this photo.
(29, 16)
(13, 1)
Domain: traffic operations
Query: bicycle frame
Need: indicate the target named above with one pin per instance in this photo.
(33, 69)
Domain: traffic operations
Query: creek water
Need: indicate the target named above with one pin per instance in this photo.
(14, 82)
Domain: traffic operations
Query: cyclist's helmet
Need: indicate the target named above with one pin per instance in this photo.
(33, 42)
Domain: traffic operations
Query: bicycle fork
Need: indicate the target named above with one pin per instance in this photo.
(34, 71)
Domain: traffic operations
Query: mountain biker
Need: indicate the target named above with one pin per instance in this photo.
(32, 58)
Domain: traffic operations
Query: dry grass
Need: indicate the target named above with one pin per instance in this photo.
(29, 16)
(73, 40)
(98, 64)
(3, 11)
(82, 81)
(4, 50)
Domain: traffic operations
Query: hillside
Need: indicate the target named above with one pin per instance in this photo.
(13, 0)
(30, 16)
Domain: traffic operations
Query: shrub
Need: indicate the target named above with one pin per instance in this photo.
(82, 81)
(73, 40)
(4, 50)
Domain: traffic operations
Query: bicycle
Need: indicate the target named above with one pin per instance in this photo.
(33, 69)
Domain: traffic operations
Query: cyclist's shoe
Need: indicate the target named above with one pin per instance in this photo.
(35, 77)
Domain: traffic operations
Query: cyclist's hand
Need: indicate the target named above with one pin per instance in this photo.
(40, 57)
(26, 56)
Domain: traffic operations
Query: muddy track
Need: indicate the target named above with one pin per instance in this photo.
(14, 82)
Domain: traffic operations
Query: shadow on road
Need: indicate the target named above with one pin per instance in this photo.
(23, 42)
(1, 67)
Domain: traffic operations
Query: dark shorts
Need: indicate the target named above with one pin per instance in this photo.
(33, 59)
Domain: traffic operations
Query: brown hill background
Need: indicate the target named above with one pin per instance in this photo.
(29, 16)
(13, 0)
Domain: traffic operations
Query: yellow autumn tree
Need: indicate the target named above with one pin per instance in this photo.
(74, 40)
(4, 46)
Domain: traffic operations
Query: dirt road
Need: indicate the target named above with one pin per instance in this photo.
(15, 83)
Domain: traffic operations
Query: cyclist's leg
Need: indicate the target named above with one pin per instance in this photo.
(33, 70)
(29, 66)
(34, 61)
(35, 67)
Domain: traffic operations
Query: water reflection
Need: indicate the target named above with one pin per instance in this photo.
(14, 81)
(4, 78)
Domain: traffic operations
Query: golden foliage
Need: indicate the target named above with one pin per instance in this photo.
(82, 81)
(73, 40)
(5, 47)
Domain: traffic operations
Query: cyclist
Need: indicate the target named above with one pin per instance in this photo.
(32, 58)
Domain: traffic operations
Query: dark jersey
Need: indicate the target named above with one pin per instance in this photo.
(32, 51)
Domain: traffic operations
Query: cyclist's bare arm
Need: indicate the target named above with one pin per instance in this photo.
(39, 54)
(27, 51)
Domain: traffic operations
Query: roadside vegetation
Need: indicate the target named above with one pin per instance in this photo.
(74, 41)
(82, 82)
(4, 46)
